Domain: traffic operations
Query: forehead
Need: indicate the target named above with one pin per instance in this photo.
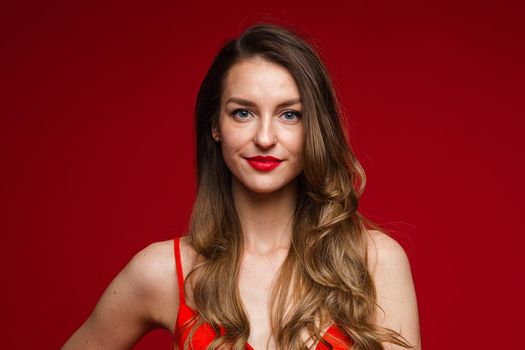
(259, 79)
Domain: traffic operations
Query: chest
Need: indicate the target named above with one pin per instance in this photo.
(257, 278)
(255, 286)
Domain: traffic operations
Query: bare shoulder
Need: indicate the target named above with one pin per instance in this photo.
(188, 254)
(384, 252)
(155, 260)
(152, 274)
(388, 264)
(396, 297)
(141, 297)
(189, 258)
(154, 265)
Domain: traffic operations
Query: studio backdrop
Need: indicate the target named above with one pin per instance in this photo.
(97, 147)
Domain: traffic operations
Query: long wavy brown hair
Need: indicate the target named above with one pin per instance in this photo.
(324, 277)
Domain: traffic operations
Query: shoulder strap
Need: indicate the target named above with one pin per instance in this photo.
(180, 276)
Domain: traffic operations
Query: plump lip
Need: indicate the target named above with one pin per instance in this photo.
(264, 163)
(264, 159)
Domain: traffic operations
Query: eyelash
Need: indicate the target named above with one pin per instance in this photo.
(298, 114)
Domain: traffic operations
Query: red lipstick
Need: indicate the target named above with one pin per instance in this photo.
(264, 163)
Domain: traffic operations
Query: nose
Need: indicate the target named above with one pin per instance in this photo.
(265, 135)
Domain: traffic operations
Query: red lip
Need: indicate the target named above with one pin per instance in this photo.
(264, 159)
(264, 163)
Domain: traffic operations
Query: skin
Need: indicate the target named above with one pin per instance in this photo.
(264, 202)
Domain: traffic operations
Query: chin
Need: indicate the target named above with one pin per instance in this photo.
(264, 190)
(266, 187)
(261, 188)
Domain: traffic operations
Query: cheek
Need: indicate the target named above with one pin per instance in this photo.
(231, 153)
(296, 144)
(234, 139)
(230, 145)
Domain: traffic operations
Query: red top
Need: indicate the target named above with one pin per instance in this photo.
(204, 335)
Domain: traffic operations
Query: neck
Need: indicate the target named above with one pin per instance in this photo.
(266, 218)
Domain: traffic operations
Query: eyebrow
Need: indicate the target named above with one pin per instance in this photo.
(249, 103)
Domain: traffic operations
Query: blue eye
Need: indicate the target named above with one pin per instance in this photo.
(241, 113)
(244, 114)
(291, 114)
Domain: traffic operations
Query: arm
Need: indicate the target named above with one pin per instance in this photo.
(390, 269)
(139, 299)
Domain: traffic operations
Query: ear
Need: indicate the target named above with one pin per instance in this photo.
(215, 133)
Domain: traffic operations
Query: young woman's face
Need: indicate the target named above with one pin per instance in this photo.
(261, 116)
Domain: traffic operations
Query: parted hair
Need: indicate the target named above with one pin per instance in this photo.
(324, 277)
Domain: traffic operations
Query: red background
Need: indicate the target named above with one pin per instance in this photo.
(97, 147)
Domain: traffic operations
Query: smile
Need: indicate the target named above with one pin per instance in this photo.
(264, 163)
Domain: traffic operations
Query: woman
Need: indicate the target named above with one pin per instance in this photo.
(277, 255)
